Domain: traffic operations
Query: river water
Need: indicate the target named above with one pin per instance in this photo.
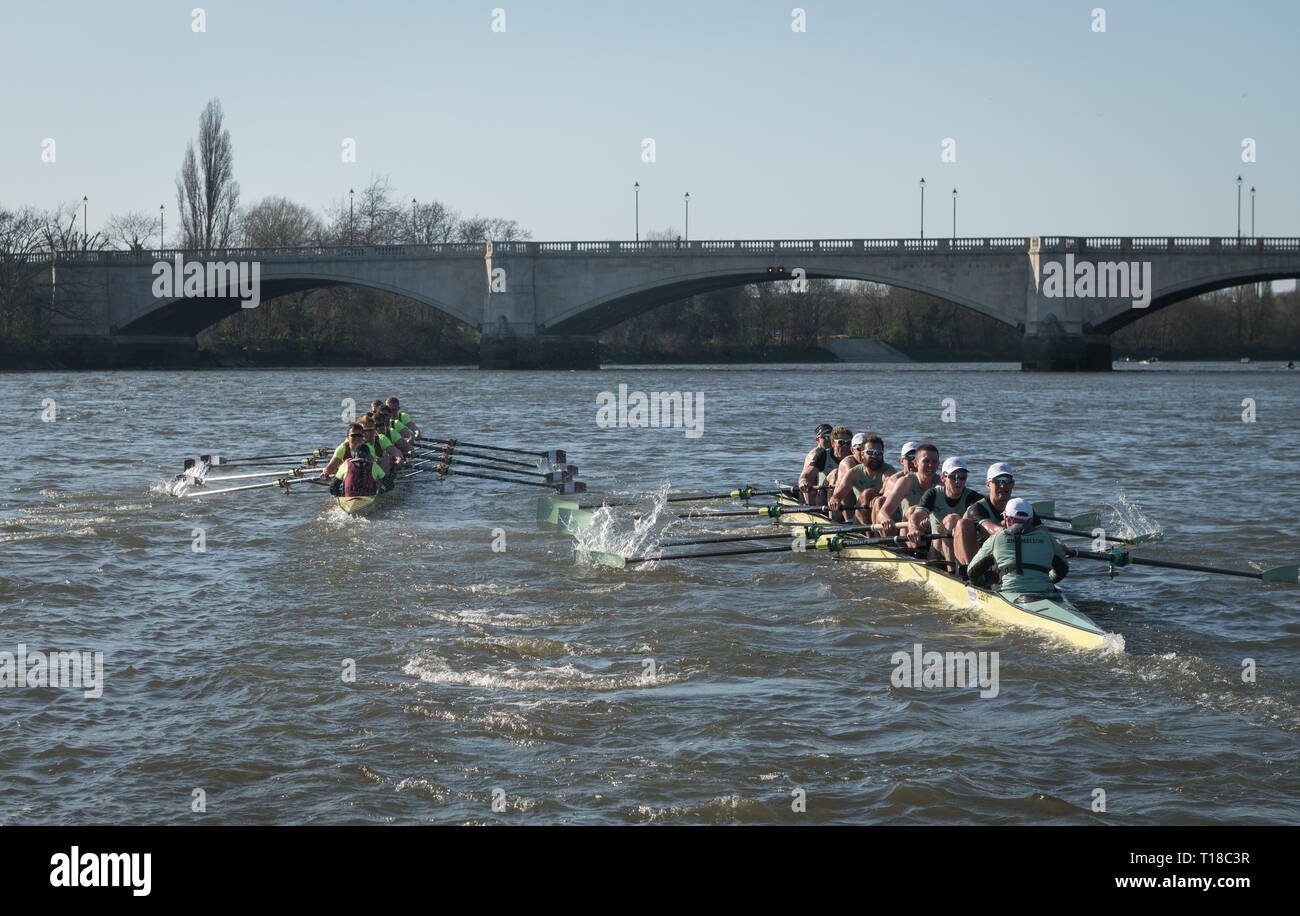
(511, 686)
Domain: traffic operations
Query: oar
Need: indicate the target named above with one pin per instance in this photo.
(810, 532)
(205, 480)
(218, 460)
(283, 483)
(566, 472)
(1140, 539)
(1120, 557)
(572, 486)
(619, 561)
(445, 452)
(555, 456)
(1045, 509)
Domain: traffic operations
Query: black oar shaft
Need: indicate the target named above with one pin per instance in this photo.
(1162, 564)
(714, 553)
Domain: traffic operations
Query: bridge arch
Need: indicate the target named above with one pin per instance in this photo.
(1189, 290)
(187, 317)
(601, 313)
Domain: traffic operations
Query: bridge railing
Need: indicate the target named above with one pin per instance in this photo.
(680, 246)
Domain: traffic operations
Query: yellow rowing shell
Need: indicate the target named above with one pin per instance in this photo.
(1051, 613)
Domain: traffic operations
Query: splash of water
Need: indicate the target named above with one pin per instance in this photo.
(1127, 519)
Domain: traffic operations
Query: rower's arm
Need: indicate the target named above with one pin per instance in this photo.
(1060, 566)
(331, 467)
(897, 489)
(843, 486)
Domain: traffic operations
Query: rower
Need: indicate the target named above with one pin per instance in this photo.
(380, 445)
(947, 505)
(903, 495)
(908, 457)
(403, 417)
(861, 479)
(815, 470)
(987, 513)
(384, 424)
(841, 448)
(361, 475)
(1029, 560)
(355, 436)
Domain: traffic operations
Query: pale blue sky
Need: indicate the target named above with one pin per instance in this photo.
(775, 134)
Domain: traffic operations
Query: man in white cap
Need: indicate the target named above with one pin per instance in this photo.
(1029, 560)
(987, 513)
(861, 479)
(946, 506)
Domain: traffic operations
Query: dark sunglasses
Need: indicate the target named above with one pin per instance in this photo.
(957, 475)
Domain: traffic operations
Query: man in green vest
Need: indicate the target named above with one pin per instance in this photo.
(1029, 560)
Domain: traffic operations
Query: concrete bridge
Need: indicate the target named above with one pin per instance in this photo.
(540, 304)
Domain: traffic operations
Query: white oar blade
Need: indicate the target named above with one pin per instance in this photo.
(617, 561)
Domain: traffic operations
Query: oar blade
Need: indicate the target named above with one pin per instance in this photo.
(1087, 520)
(1045, 507)
(548, 508)
(571, 521)
(601, 558)
(1281, 574)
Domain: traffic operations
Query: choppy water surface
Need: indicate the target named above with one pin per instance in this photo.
(519, 677)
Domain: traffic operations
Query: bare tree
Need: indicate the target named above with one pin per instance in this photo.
(130, 231)
(22, 242)
(277, 222)
(206, 192)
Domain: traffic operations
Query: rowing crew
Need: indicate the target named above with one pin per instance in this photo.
(848, 475)
(378, 443)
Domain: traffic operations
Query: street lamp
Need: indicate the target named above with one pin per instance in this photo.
(954, 214)
(687, 198)
(85, 233)
(1252, 212)
(162, 229)
(349, 216)
(922, 208)
(414, 237)
(636, 194)
(1239, 208)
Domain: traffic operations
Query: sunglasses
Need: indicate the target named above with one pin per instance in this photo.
(1003, 481)
(874, 452)
(843, 441)
(957, 475)
(910, 456)
(356, 435)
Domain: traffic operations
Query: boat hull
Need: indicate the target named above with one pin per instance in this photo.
(1052, 613)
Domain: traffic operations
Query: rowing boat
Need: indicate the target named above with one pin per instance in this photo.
(1051, 613)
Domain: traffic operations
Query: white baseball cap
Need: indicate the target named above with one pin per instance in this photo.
(1021, 510)
(953, 464)
(999, 468)
(858, 440)
(907, 447)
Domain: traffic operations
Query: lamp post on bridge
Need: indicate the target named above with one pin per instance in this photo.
(954, 214)
(636, 194)
(85, 233)
(687, 198)
(922, 208)
(162, 229)
(414, 234)
(349, 216)
(1239, 208)
(1252, 212)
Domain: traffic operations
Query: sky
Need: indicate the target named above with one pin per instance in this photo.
(1059, 129)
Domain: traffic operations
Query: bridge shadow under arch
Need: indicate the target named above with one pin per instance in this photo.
(1190, 291)
(598, 315)
(188, 317)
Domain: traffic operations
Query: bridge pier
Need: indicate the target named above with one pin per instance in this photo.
(546, 351)
(1066, 353)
